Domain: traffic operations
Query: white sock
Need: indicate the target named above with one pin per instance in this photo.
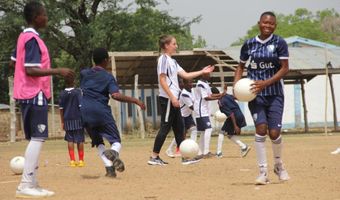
(116, 146)
(172, 145)
(207, 137)
(260, 147)
(193, 133)
(101, 149)
(32, 153)
(220, 142)
(237, 141)
(201, 143)
(277, 149)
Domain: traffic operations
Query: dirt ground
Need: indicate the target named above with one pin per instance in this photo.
(314, 173)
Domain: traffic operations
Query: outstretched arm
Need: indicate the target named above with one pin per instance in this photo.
(191, 75)
(37, 71)
(122, 98)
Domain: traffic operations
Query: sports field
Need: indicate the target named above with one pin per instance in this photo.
(315, 173)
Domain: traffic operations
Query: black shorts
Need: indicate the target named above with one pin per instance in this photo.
(35, 122)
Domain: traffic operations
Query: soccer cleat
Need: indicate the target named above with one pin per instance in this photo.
(73, 163)
(281, 172)
(110, 172)
(156, 161)
(245, 151)
(219, 155)
(189, 161)
(336, 151)
(262, 179)
(114, 157)
(169, 153)
(81, 163)
(31, 193)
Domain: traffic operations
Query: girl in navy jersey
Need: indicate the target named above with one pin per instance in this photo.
(268, 63)
(168, 70)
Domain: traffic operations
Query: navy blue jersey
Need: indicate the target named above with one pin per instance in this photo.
(264, 61)
(228, 105)
(97, 86)
(69, 102)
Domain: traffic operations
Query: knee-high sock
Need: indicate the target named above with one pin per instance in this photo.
(207, 137)
(237, 141)
(201, 143)
(220, 142)
(260, 147)
(32, 153)
(80, 147)
(172, 145)
(277, 149)
(101, 149)
(193, 133)
(116, 146)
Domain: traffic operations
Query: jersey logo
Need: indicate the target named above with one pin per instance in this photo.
(270, 48)
(41, 128)
(264, 65)
(255, 116)
(253, 65)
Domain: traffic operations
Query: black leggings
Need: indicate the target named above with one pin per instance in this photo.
(174, 121)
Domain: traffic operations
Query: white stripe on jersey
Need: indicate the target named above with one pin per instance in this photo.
(186, 100)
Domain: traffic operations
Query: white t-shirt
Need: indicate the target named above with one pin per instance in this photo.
(201, 106)
(186, 101)
(168, 66)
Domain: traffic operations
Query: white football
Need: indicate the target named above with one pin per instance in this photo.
(188, 148)
(219, 116)
(242, 90)
(17, 164)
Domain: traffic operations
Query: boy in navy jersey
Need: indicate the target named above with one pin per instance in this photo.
(69, 105)
(98, 85)
(268, 57)
(233, 124)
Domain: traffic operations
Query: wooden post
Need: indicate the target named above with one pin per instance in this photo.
(12, 110)
(335, 117)
(326, 91)
(53, 133)
(139, 110)
(305, 117)
(115, 108)
(221, 77)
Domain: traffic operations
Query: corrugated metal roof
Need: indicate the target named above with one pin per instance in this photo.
(295, 40)
(302, 58)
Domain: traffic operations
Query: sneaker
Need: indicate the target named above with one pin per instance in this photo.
(336, 151)
(48, 192)
(189, 161)
(262, 179)
(156, 161)
(114, 157)
(73, 163)
(208, 155)
(110, 172)
(81, 163)
(199, 157)
(281, 172)
(245, 151)
(30, 193)
(169, 153)
(219, 155)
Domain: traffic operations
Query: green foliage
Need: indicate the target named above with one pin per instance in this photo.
(303, 23)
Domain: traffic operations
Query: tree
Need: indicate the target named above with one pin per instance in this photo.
(76, 27)
(322, 26)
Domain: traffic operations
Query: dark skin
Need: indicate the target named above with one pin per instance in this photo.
(118, 96)
(187, 84)
(206, 77)
(40, 22)
(267, 25)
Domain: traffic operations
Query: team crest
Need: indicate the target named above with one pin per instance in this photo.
(270, 48)
(208, 123)
(255, 116)
(41, 128)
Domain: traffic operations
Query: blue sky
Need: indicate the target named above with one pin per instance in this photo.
(224, 21)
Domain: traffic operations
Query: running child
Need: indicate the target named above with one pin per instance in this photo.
(168, 70)
(32, 89)
(97, 86)
(69, 106)
(233, 124)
